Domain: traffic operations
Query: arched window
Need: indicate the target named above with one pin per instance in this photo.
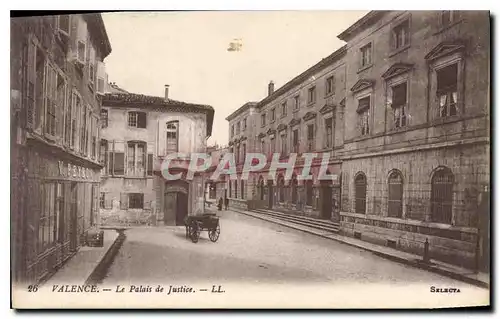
(309, 192)
(172, 137)
(294, 189)
(281, 188)
(442, 195)
(395, 205)
(360, 193)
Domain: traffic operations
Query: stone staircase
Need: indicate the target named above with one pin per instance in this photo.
(292, 217)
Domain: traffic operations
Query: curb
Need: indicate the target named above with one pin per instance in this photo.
(100, 270)
(414, 263)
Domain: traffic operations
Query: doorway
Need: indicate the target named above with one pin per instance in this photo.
(73, 229)
(326, 200)
(175, 202)
(270, 190)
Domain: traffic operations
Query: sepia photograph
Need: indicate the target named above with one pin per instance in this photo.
(250, 159)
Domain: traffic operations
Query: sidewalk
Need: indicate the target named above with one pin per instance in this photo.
(88, 262)
(455, 272)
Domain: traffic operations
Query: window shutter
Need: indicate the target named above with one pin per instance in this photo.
(31, 85)
(141, 120)
(101, 77)
(150, 165)
(119, 163)
(123, 200)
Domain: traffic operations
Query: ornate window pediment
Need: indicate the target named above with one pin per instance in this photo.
(362, 84)
(397, 69)
(243, 138)
(342, 103)
(445, 48)
(327, 109)
(294, 122)
(281, 127)
(261, 135)
(271, 131)
(309, 116)
(231, 143)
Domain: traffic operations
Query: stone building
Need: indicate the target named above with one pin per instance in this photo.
(303, 116)
(403, 110)
(416, 144)
(57, 80)
(138, 132)
(215, 189)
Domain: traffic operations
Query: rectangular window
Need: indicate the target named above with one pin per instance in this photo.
(273, 115)
(283, 109)
(75, 115)
(172, 137)
(50, 97)
(83, 129)
(136, 200)
(263, 119)
(447, 84)
(63, 24)
(272, 146)
(296, 102)
(136, 159)
(104, 118)
(329, 132)
(244, 150)
(366, 55)
(330, 85)
(262, 145)
(244, 126)
(119, 163)
(137, 119)
(399, 97)
(447, 18)
(48, 230)
(103, 153)
(311, 95)
(310, 137)
(232, 130)
(295, 141)
(283, 144)
(401, 35)
(102, 201)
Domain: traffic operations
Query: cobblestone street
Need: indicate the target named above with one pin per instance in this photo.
(254, 251)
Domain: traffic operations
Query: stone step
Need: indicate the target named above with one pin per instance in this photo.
(328, 227)
(312, 220)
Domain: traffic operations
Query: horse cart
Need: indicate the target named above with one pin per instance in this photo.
(196, 224)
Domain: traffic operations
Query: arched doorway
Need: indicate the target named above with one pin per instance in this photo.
(326, 198)
(270, 192)
(294, 185)
(360, 193)
(175, 202)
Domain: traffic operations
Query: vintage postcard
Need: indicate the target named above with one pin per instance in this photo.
(250, 159)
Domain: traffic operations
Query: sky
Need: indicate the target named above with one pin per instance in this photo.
(188, 51)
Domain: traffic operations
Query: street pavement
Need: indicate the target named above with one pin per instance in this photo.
(250, 250)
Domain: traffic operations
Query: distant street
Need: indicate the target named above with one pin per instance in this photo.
(252, 250)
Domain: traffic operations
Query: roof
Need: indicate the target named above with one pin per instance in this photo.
(97, 29)
(304, 75)
(358, 26)
(141, 100)
(242, 108)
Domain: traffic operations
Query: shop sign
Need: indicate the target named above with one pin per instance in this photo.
(75, 171)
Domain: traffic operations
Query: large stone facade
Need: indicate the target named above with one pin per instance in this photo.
(410, 145)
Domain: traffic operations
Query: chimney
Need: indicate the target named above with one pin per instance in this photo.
(270, 88)
(166, 91)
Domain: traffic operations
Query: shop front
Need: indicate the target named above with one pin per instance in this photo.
(62, 203)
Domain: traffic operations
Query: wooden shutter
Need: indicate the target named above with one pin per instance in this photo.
(123, 201)
(141, 120)
(119, 163)
(150, 165)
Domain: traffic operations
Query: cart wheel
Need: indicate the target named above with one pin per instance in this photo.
(213, 234)
(194, 232)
